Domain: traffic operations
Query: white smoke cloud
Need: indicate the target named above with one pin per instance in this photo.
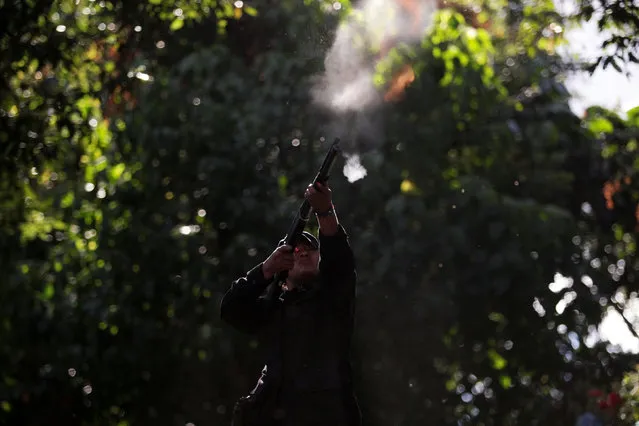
(347, 84)
(347, 87)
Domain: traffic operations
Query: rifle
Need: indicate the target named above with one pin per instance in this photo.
(304, 212)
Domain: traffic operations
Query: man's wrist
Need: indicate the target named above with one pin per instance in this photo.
(328, 223)
(325, 212)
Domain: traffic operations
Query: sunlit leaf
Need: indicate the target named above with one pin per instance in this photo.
(251, 11)
(48, 292)
(505, 381)
(407, 187)
(499, 362)
(115, 172)
(177, 24)
(600, 125)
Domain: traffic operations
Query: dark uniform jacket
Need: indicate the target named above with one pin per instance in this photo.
(306, 335)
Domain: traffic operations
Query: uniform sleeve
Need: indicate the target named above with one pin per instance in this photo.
(243, 306)
(337, 264)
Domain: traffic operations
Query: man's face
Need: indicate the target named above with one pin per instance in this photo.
(306, 262)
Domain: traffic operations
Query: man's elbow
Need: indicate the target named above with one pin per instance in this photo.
(230, 317)
(235, 316)
(227, 311)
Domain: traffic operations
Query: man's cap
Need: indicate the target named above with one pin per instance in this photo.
(305, 238)
(308, 238)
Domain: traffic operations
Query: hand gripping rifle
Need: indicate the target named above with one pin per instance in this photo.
(304, 212)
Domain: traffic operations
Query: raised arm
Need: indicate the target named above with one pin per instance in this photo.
(337, 260)
(244, 305)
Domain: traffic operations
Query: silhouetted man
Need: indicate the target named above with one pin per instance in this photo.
(305, 327)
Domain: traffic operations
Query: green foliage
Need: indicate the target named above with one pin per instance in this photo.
(628, 391)
(620, 21)
(156, 150)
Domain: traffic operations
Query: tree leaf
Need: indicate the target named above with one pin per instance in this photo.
(177, 24)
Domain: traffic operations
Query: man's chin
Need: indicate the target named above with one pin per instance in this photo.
(305, 275)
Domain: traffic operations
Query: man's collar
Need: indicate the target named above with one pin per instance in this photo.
(301, 291)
